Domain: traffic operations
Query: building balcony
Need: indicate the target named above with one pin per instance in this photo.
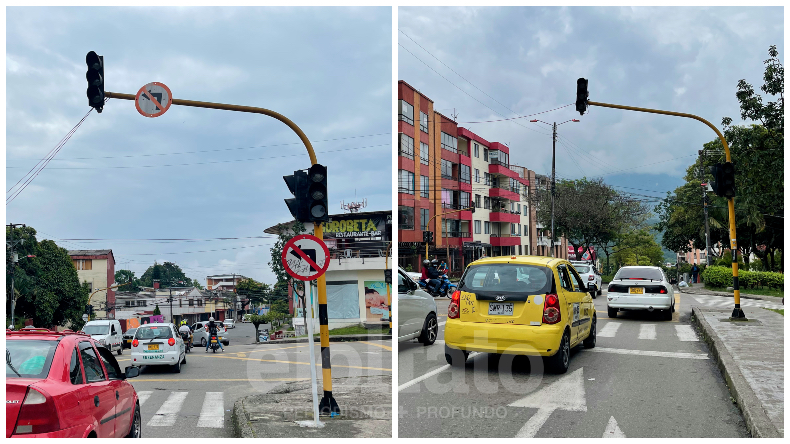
(465, 235)
(496, 167)
(504, 240)
(504, 216)
(504, 193)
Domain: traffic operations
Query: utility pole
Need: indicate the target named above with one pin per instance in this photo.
(705, 206)
(14, 259)
(171, 304)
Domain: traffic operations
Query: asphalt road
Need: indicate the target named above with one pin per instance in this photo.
(646, 377)
(198, 401)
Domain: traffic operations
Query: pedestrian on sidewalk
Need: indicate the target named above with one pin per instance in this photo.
(694, 272)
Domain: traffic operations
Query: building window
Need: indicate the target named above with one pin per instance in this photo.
(423, 122)
(191, 302)
(447, 198)
(487, 179)
(405, 218)
(477, 227)
(406, 146)
(180, 302)
(406, 112)
(477, 200)
(405, 182)
(424, 185)
(200, 302)
(466, 173)
(465, 199)
(142, 303)
(485, 154)
(477, 151)
(425, 215)
(487, 203)
(477, 175)
(525, 210)
(83, 264)
(424, 153)
(449, 143)
(447, 169)
(487, 227)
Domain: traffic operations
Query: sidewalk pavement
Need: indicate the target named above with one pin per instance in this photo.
(750, 355)
(700, 289)
(365, 410)
(338, 338)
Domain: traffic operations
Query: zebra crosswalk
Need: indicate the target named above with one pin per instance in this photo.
(212, 414)
(648, 332)
(727, 302)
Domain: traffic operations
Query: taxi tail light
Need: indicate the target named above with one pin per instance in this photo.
(590, 278)
(171, 342)
(135, 343)
(551, 309)
(37, 413)
(454, 311)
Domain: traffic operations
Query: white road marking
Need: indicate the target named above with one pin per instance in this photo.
(566, 393)
(612, 430)
(167, 414)
(609, 330)
(620, 351)
(534, 424)
(142, 397)
(647, 331)
(686, 333)
(423, 377)
(213, 412)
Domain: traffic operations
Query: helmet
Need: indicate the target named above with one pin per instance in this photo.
(426, 262)
(435, 261)
(211, 319)
(183, 322)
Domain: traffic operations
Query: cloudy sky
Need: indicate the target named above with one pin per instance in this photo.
(193, 173)
(505, 62)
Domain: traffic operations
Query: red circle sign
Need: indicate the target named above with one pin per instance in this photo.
(153, 99)
(305, 257)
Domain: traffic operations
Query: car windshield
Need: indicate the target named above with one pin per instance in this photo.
(638, 273)
(97, 329)
(582, 269)
(25, 358)
(507, 278)
(156, 332)
(130, 332)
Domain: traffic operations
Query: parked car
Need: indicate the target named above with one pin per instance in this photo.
(527, 305)
(200, 335)
(228, 323)
(640, 288)
(416, 312)
(589, 275)
(107, 332)
(128, 336)
(67, 385)
(158, 344)
(245, 319)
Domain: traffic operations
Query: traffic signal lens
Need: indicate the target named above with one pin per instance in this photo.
(317, 177)
(318, 211)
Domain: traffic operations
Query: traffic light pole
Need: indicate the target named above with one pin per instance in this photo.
(328, 404)
(737, 312)
(705, 206)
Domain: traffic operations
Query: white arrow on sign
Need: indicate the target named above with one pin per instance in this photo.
(566, 393)
(612, 430)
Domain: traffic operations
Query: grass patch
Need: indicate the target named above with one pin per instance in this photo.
(353, 330)
(775, 292)
(781, 311)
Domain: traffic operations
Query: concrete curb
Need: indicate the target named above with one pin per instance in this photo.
(757, 421)
(727, 294)
(241, 428)
(346, 338)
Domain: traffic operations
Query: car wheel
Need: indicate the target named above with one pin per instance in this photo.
(560, 362)
(668, 314)
(455, 357)
(612, 312)
(430, 330)
(177, 367)
(135, 431)
(185, 359)
(600, 292)
(203, 342)
(120, 350)
(590, 341)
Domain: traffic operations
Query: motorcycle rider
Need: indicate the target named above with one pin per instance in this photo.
(433, 275)
(213, 330)
(185, 329)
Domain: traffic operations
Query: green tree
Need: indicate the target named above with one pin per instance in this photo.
(285, 232)
(125, 276)
(253, 290)
(257, 321)
(157, 312)
(168, 274)
(638, 247)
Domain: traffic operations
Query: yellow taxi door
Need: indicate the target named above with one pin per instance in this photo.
(572, 301)
(587, 308)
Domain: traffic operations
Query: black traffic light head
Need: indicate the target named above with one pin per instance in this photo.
(727, 184)
(387, 276)
(581, 95)
(426, 236)
(95, 77)
(318, 206)
(472, 207)
(297, 185)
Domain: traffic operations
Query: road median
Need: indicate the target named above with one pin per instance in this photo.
(338, 338)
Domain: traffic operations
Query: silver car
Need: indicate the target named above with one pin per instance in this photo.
(200, 335)
(416, 312)
(590, 276)
(640, 288)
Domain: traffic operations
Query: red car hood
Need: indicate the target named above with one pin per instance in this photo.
(15, 390)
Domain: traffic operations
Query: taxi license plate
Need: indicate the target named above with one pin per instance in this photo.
(636, 290)
(153, 346)
(500, 308)
(213, 341)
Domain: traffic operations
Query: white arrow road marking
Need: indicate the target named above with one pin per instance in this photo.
(686, 333)
(566, 393)
(647, 331)
(612, 430)
(143, 396)
(609, 330)
(167, 414)
(621, 351)
(213, 412)
(429, 374)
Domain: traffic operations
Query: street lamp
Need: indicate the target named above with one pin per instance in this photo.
(553, 157)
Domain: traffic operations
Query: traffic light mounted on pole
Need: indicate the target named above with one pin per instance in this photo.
(318, 207)
(723, 182)
(581, 96)
(297, 184)
(95, 77)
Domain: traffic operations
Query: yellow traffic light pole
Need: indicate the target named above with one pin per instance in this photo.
(328, 404)
(389, 298)
(737, 313)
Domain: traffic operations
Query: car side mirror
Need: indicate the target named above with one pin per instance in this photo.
(131, 372)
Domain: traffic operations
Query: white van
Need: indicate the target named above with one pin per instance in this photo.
(107, 332)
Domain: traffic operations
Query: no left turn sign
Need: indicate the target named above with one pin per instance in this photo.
(153, 99)
(305, 257)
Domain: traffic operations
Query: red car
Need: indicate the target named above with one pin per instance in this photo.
(65, 384)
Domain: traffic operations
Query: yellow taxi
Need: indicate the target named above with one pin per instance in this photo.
(520, 305)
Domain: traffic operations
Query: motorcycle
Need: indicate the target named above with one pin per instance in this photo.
(445, 288)
(264, 337)
(214, 343)
(187, 341)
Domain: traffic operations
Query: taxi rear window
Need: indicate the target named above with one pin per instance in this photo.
(159, 332)
(507, 278)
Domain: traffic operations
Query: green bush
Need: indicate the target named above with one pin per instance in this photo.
(718, 276)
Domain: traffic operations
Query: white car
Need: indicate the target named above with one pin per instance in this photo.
(640, 288)
(200, 334)
(107, 332)
(158, 344)
(229, 323)
(589, 275)
(416, 312)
